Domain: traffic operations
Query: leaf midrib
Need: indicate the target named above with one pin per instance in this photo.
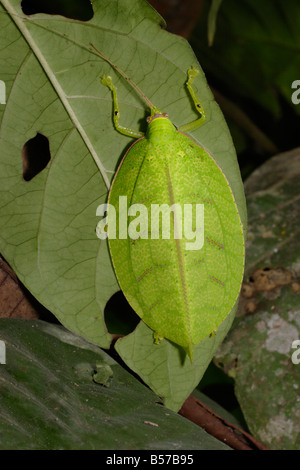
(180, 259)
(56, 85)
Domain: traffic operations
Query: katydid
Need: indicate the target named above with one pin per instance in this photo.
(182, 290)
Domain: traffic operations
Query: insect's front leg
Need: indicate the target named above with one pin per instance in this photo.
(107, 81)
(192, 73)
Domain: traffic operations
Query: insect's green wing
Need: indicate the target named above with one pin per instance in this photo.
(214, 274)
(181, 294)
(147, 268)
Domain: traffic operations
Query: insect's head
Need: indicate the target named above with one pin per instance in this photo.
(157, 115)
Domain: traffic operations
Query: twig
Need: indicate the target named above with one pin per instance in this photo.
(196, 411)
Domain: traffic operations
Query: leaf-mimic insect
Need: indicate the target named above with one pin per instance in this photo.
(175, 234)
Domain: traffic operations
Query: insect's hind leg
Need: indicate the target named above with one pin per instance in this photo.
(107, 81)
(192, 73)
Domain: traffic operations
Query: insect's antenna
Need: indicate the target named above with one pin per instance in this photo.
(153, 108)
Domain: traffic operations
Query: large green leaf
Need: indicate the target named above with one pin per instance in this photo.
(86, 401)
(48, 224)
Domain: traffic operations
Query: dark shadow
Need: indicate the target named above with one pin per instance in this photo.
(35, 155)
(120, 318)
(80, 10)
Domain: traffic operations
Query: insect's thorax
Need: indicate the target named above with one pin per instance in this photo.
(160, 130)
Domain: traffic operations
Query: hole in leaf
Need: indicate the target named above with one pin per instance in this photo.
(36, 156)
(120, 318)
(80, 10)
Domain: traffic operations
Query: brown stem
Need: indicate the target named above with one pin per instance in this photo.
(196, 411)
